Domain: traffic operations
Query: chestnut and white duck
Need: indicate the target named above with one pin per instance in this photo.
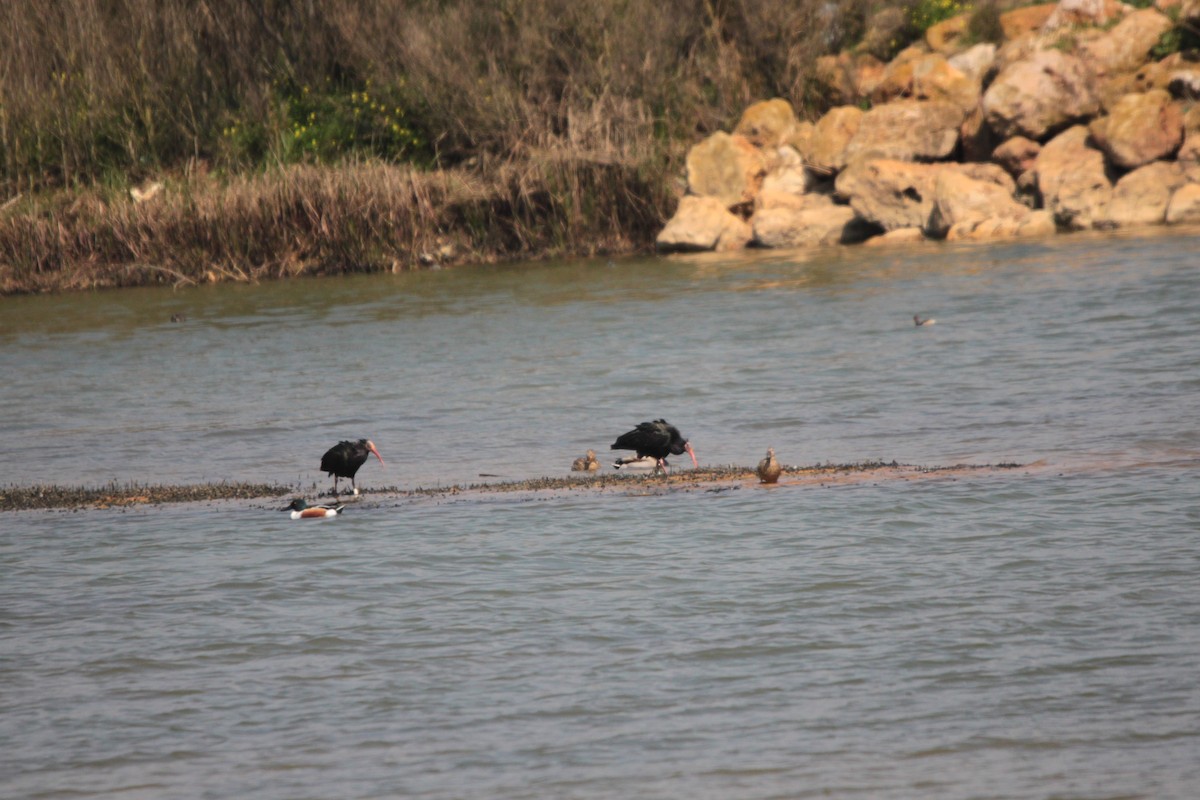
(302, 510)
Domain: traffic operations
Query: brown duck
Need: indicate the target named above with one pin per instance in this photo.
(586, 463)
(769, 469)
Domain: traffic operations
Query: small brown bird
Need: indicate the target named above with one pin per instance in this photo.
(769, 469)
(586, 463)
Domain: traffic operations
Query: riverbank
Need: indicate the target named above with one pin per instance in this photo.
(300, 220)
(16, 498)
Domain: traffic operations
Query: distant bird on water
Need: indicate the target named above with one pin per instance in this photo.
(769, 469)
(302, 510)
(657, 439)
(344, 458)
(922, 322)
(586, 463)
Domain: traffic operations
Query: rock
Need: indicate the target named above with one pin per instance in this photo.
(964, 203)
(976, 63)
(809, 227)
(946, 37)
(1017, 155)
(1139, 129)
(907, 130)
(1126, 46)
(1033, 223)
(787, 177)
(896, 80)
(976, 139)
(768, 123)
(900, 236)
(1021, 21)
(831, 135)
(933, 78)
(1081, 13)
(727, 167)
(1185, 205)
(1039, 95)
(845, 79)
(1071, 179)
(1142, 196)
(1185, 84)
(703, 223)
(1189, 152)
(900, 194)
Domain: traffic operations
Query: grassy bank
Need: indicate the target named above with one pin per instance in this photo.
(354, 135)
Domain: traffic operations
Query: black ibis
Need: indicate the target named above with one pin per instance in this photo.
(769, 469)
(344, 458)
(657, 439)
(587, 463)
(302, 510)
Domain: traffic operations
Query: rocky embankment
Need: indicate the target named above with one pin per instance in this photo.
(1071, 123)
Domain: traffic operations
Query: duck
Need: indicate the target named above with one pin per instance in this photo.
(302, 510)
(769, 469)
(922, 322)
(586, 463)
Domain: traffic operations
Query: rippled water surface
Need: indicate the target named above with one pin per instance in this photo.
(1017, 633)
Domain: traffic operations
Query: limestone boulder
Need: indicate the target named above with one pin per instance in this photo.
(1041, 94)
(947, 37)
(897, 77)
(1139, 129)
(1184, 207)
(703, 223)
(1090, 13)
(1017, 155)
(907, 130)
(1071, 180)
(726, 167)
(934, 78)
(1021, 21)
(1127, 46)
(965, 202)
(787, 178)
(818, 224)
(846, 78)
(1142, 196)
(768, 123)
(1033, 223)
(900, 236)
(1189, 151)
(976, 62)
(900, 194)
(831, 135)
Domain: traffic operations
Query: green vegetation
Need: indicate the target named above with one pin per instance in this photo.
(504, 129)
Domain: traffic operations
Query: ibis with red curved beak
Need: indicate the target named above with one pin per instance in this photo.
(344, 458)
(657, 439)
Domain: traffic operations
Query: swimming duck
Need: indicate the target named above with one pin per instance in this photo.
(302, 510)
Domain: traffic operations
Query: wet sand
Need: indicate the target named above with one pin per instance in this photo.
(709, 479)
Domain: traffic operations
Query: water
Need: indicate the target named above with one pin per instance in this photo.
(1025, 633)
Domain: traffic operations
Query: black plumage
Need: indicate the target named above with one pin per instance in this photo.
(657, 439)
(344, 458)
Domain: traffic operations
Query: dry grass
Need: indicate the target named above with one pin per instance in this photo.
(285, 131)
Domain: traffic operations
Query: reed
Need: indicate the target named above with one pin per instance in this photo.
(298, 136)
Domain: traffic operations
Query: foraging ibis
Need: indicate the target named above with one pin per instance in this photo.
(344, 458)
(657, 439)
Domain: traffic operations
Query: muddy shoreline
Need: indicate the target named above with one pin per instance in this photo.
(20, 498)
